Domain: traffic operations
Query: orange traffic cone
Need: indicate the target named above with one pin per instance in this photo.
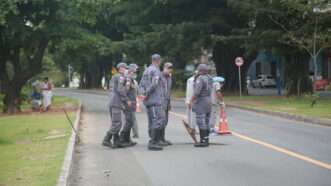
(223, 126)
(138, 108)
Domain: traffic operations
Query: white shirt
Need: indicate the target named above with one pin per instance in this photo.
(216, 87)
(189, 89)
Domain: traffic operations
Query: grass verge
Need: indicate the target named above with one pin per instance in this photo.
(32, 146)
(292, 105)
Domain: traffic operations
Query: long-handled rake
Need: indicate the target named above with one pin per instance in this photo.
(71, 124)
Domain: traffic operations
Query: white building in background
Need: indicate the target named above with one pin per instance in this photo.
(74, 83)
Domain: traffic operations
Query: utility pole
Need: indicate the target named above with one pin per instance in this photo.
(315, 10)
(69, 71)
(239, 61)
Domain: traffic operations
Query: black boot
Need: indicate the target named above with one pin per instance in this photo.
(207, 137)
(123, 139)
(204, 139)
(128, 139)
(163, 141)
(107, 140)
(153, 143)
(117, 142)
(135, 134)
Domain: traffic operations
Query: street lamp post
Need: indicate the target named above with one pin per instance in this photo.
(239, 61)
(314, 51)
(69, 74)
(317, 10)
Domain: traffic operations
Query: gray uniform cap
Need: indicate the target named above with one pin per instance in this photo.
(168, 65)
(133, 67)
(203, 68)
(156, 57)
(121, 65)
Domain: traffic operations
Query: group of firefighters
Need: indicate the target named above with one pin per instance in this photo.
(203, 98)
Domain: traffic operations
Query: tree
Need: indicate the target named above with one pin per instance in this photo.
(307, 29)
(92, 51)
(27, 28)
(285, 26)
(179, 30)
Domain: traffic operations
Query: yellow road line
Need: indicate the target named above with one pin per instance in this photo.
(275, 148)
(285, 151)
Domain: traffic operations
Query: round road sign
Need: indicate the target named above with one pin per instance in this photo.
(239, 61)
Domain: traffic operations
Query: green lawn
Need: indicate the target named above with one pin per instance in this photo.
(26, 156)
(178, 93)
(292, 105)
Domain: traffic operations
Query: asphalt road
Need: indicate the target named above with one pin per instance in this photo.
(263, 151)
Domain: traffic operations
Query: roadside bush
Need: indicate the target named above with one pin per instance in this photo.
(313, 98)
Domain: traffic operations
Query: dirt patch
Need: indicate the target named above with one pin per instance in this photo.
(56, 132)
(55, 136)
(24, 141)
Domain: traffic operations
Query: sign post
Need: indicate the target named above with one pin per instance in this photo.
(239, 62)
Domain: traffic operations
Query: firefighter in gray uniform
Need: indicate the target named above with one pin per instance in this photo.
(201, 103)
(129, 112)
(166, 84)
(119, 102)
(150, 88)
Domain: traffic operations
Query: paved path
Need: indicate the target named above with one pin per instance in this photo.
(264, 151)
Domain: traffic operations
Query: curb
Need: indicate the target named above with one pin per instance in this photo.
(323, 122)
(67, 164)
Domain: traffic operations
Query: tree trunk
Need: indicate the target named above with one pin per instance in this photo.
(297, 74)
(12, 100)
(82, 81)
(299, 87)
(12, 86)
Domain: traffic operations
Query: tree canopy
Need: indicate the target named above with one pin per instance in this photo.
(92, 36)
